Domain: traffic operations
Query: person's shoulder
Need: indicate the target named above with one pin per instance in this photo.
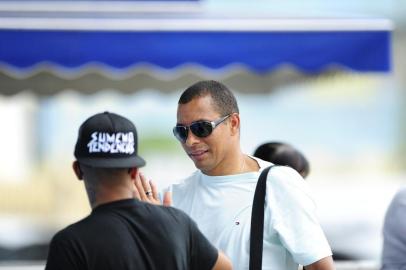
(261, 163)
(164, 211)
(65, 235)
(284, 171)
(399, 200)
(278, 174)
(277, 171)
(61, 236)
(400, 195)
(177, 213)
(284, 175)
(167, 214)
(73, 230)
(395, 216)
(285, 182)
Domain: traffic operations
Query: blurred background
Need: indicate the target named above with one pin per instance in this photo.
(325, 76)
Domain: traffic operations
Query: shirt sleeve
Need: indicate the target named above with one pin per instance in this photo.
(203, 254)
(293, 216)
(61, 255)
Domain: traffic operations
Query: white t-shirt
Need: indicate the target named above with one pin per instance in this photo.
(221, 206)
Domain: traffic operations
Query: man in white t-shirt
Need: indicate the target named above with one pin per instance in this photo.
(219, 195)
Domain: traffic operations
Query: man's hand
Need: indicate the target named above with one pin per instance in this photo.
(146, 191)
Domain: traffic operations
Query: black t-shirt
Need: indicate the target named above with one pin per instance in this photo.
(129, 234)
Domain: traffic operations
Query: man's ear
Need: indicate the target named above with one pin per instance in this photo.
(133, 173)
(76, 169)
(235, 123)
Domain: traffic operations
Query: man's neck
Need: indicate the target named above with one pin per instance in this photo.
(240, 163)
(107, 194)
(232, 164)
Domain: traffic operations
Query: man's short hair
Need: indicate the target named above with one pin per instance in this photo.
(96, 176)
(223, 99)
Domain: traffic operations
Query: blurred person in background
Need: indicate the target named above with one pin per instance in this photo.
(394, 234)
(219, 195)
(283, 154)
(121, 232)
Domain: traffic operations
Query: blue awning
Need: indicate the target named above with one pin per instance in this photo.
(260, 45)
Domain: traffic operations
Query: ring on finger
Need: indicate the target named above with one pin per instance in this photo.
(148, 193)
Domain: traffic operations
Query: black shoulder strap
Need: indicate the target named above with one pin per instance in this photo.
(257, 222)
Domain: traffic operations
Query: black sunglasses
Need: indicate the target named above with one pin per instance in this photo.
(201, 129)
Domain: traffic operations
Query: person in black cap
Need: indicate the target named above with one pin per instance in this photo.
(122, 232)
(283, 154)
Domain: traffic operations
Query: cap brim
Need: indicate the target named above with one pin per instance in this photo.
(128, 162)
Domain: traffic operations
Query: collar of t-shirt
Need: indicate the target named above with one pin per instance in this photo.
(114, 204)
(234, 178)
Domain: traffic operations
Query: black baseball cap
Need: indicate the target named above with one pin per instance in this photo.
(108, 140)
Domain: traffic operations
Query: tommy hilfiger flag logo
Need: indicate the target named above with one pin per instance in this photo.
(122, 143)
